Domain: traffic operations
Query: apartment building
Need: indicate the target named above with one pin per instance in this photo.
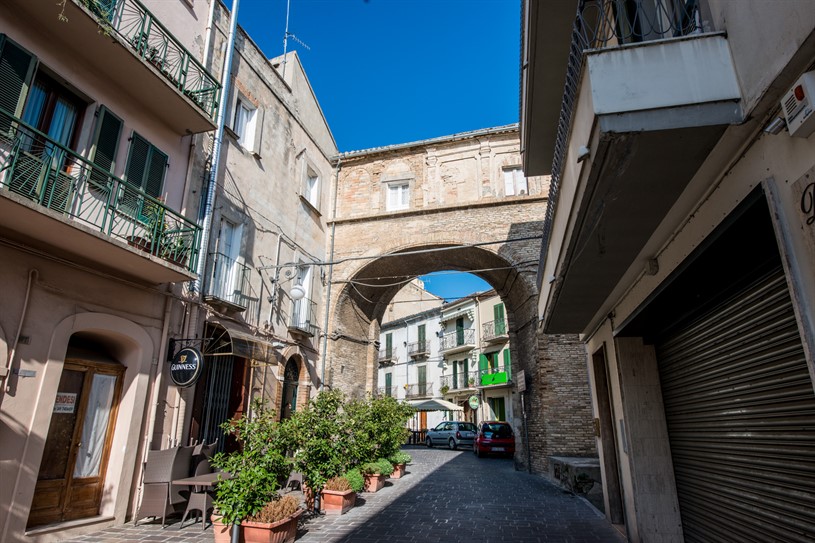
(100, 103)
(680, 243)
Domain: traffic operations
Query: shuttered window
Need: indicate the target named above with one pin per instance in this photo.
(388, 345)
(498, 314)
(507, 362)
(388, 383)
(422, 337)
(16, 73)
(105, 146)
(145, 166)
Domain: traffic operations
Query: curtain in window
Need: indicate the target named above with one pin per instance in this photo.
(94, 427)
(242, 117)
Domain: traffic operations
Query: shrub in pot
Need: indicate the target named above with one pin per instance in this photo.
(337, 496)
(276, 522)
(255, 468)
(399, 460)
(375, 474)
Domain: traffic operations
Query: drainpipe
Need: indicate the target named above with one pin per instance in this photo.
(6, 370)
(330, 273)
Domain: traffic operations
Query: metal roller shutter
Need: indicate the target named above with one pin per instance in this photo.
(740, 411)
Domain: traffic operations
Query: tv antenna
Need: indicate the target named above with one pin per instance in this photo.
(286, 36)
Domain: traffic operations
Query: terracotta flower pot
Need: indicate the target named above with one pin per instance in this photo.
(221, 531)
(337, 502)
(282, 531)
(398, 471)
(374, 482)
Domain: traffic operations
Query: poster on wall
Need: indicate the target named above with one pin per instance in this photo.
(65, 402)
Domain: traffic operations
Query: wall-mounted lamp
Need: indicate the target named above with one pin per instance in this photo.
(776, 126)
(297, 292)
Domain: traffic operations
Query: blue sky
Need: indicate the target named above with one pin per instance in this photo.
(396, 71)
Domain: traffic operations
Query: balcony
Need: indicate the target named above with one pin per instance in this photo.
(499, 375)
(459, 381)
(385, 391)
(419, 349)
(56, 199)
(458, 341)
(418, 390)
(124, 41)
(303, 318)
(228, 283)
(644, 86)
(494, 332)
(386, 357)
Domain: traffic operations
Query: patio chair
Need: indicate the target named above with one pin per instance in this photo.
(293, 483)
(159, 496)
(200, 498)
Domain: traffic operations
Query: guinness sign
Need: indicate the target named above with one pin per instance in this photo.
(186, 366)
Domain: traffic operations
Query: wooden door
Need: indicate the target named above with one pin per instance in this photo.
(75, 457)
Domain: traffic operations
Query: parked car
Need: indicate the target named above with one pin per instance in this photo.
(494, 437)
(451, 433)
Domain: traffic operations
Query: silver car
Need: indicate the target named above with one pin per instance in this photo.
(451, 433)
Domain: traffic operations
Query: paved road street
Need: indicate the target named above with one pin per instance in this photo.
(447, 496)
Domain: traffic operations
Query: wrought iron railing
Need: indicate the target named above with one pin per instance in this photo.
(599, 24)
(418, 390)
(493, 329)
(459, 381)
(303, 316)
(458, 338)
(387, 356)
(150, 40)
(228, 280)
(55, 177)
(418, 348)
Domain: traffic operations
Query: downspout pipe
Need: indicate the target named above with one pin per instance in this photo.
(209, 198)
(330, 274)
(6, 370)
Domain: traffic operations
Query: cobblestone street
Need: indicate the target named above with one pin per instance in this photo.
(447, 496)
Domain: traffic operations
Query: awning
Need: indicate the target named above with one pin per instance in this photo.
(232, 342)
(434, 404)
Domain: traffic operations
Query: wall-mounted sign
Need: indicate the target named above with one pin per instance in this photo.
(520, 379)
(186, 366)
(65, 402)
(474, 402)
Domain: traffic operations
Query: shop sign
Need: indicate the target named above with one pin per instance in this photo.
(474, 402)
(65, 402)
(186, 367)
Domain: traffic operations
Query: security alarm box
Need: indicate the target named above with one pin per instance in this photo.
(799, 106)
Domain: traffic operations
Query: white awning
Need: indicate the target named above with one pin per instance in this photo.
(435, 404)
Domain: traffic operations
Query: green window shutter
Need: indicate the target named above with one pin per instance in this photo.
(16, 72)
(105, 145)
(388, 383)
(483, 368)
(421, 337)
(154, 178)
(422, 375)
(507, 363)
(466, 370)
(460, 331)
(145, 166)
(388, 345)
(498, 314)
(455, 374)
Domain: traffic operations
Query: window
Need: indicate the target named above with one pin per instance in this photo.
(388, 384)
(311, 187)
(388, 345)
(515, 182)
(421, 332)
(145, 166)
(105, 146)
(422, 378)
(16, 72)
(52, 109)
(398, 196)
(244, 123)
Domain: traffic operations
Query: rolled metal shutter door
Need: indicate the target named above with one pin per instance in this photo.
(740, 410)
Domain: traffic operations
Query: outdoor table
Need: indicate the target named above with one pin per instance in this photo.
(207, 479)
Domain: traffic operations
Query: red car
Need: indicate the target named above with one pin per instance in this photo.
(494, 437)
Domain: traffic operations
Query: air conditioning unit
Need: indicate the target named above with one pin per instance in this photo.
(799, 106)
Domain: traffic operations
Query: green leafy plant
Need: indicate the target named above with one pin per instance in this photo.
(256, 468)
(381, 466)
(355, 479)
(400, 457)
(378, 426)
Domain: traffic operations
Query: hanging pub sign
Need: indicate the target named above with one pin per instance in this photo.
(186, 366)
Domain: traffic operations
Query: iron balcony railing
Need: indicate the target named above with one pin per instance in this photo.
(497, 375)
(38, 168)
(493, 329)
(228, 280)
(418, 349)
(303, 316)
(151, 41)
(599, 24)
(458, 338)
(387, 357)
(418, 390)
(459, 381)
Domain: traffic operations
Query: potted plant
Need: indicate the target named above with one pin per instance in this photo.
(338, 496)
(375, 474)
(276, 522)
(255, 469)
(444, 389)
(399, 460)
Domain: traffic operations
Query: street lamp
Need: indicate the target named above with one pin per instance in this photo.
(297, 292)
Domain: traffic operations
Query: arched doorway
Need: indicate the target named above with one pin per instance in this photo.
(291, 379)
